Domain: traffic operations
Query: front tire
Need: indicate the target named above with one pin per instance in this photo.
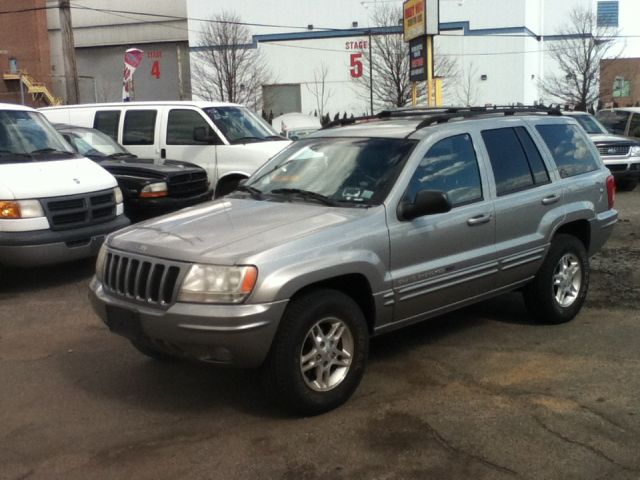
(559, 289)
(319, 353)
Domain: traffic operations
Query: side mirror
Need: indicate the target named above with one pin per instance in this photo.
(427, 202)
(204, 135)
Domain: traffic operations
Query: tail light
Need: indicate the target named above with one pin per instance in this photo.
(611, 191)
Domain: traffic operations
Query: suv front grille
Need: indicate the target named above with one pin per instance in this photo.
(142, 279)
(614, 150)
(75, 211)
(188, 184)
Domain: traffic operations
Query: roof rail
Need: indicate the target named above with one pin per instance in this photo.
(435, 115)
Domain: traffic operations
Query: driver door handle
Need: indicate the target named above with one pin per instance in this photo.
(551, 199)
(479, 219)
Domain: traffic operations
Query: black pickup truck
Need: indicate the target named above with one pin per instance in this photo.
(149, 188)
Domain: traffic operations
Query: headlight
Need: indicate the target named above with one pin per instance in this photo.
(102, 256)
(117, 194)
(635, 151)
(215, 284)
(154, 190)
(14, 209)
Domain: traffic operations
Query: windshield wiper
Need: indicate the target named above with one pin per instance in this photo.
(254, 192)
(122, 154)
(50, 150)
(306, 194)
(276, 137)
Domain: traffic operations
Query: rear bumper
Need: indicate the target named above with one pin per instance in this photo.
(236, 335)
(45, 247)
(601, 228)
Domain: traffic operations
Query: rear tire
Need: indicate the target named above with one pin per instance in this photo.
(559, 289)
(319, 353)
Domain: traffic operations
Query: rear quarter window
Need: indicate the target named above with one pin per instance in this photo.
(570, 150)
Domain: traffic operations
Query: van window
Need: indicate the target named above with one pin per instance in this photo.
(515, 160)
(181, 124)
(449, 166)
(571, 152)
(107, 122)
(139, 127)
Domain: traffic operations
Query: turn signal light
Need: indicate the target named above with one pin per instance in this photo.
(9, 210)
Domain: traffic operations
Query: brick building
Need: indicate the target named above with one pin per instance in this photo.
(620, 82)
(25, 58)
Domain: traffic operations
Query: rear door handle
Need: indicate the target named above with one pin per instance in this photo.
(479, 219)
(550, 199)
(163, 153)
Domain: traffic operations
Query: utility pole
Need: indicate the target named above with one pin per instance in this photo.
(68, 52)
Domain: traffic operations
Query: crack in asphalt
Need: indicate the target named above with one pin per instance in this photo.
(458, 451)
(586, 446)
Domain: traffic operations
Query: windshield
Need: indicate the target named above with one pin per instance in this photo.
(615, 121)
(345, 171)
(94, 142)
(590, 124)
(28, 136)
(240, 125)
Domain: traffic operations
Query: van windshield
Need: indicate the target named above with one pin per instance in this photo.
(28, 136)
(239, 125)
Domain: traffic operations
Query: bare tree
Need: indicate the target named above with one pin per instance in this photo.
(227, 66)
(390, 58)
(582, 45)
(467, 91)
(319, 88)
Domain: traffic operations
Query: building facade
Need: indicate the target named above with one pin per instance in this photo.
(104, 29)
(500, 48)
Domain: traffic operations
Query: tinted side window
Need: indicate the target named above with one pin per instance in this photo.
(570, 150)
(449, 166)
(107, 122)
(180, 127)
(139, 127)
(515, 159)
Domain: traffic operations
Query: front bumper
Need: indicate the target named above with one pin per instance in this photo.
(46, 247)
(622, 167)
(237, 335)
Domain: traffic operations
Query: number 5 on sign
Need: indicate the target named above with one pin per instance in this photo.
(356, 65)
(155, 69)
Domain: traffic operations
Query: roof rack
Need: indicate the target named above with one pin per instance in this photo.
(436, 115)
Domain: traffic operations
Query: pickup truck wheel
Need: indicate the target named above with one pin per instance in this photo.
(319, 353)
(152, 352)
(559, 289)
(627, 185)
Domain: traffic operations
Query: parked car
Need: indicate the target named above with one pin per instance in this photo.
(149, 189)
(227, 140)
(55, 205)
(621, 121)
(295, 126)
(621, 154)
(358, 230)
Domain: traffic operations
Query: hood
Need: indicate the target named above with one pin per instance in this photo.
(270, 147)
(230, 229)
(54, 178)
(147, 167)
(610, 138)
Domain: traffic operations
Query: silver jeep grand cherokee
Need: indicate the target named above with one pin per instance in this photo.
(358, 230)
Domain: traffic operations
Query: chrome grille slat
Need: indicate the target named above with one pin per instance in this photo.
(144, 280)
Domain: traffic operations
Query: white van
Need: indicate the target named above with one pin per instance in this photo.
(55, 205)
(226, 139)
